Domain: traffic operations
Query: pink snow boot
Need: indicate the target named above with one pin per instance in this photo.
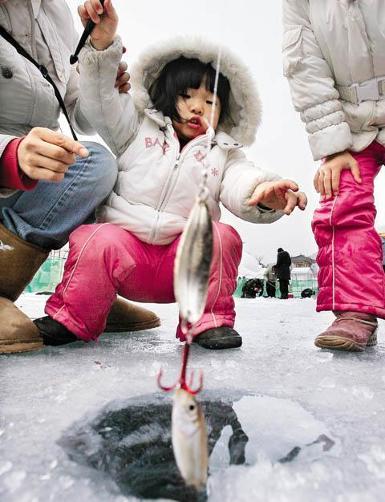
(351, 331)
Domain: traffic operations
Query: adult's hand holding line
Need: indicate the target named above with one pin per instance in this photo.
(46, 155)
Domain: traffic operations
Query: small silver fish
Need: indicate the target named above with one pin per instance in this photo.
(189, 439)
(192, 263)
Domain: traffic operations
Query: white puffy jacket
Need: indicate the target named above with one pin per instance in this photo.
(328, 46)
(157, 183)
(45, 29)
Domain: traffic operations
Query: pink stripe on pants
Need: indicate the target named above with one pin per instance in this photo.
(105, 260)
(351, 276)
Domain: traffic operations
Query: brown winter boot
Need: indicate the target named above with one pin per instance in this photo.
(19, 261)
(17, 331)
(351, 331)
(125, 316)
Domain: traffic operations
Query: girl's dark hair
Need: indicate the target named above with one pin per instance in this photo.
(184, 73)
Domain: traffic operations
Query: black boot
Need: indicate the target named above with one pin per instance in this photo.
(219, 338)
(54, 333)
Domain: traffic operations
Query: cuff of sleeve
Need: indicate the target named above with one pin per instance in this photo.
(90, 56)
(330, 140)
(10, 174)
(264, 209)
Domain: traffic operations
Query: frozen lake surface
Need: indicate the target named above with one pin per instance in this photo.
(314, 420)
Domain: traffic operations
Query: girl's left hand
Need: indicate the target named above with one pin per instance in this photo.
(280, 195)
(105, 19)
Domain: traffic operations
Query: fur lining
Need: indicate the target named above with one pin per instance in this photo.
(245, 105)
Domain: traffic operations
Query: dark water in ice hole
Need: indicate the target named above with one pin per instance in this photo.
(131, 441)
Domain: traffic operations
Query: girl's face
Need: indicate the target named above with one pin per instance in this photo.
(194, 108)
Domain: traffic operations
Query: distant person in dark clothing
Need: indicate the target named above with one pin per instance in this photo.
(252, 288)
(282, 270)
(270, 277)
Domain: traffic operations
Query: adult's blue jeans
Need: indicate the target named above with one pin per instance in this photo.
(47, 215)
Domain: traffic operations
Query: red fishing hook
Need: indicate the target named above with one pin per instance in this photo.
(181, 382)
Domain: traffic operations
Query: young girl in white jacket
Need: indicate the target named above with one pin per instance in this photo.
(161, 138)
(334, 60)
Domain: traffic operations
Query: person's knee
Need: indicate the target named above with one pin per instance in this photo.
(81, 236)
(103, 170)
(227, 241)
(227, 235)
(99, 238)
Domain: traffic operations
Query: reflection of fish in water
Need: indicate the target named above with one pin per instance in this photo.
(192, 264)
(189, 439)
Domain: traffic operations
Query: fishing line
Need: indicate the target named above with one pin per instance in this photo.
(203, 190)
(187, 328)
(216, 87)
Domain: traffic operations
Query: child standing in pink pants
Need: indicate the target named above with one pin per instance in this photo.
(161, 138)
(334, 60)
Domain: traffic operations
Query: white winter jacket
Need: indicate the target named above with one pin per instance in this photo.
(45, 29)
(328, 46)
(157, 183)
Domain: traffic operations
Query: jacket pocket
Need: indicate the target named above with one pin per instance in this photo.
(292, 50)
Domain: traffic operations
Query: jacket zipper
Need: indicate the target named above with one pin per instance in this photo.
(171, 183)
(160, 204)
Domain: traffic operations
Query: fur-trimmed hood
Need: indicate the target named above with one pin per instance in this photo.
(245, 105)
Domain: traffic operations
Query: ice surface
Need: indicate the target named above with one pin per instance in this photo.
(292, 394)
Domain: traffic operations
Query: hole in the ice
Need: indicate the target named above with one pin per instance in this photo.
(131, 441)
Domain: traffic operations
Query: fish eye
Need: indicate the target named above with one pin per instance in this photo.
(191, 407)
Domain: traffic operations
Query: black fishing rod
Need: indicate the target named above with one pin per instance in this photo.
(86, 33)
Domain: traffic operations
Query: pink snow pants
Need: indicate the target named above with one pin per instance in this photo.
(105, 260)
(351, 276)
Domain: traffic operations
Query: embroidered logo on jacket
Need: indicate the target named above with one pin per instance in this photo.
(151, 142)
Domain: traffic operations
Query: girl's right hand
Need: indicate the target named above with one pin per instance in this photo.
(327, 178)
(46, 155)
(283, 195)
(105, 19)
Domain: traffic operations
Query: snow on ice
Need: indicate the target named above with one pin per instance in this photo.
(314, 420)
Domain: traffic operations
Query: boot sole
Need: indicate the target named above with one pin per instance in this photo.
(14, 348)
(335, 342)
(139, 326)
(220, 344)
